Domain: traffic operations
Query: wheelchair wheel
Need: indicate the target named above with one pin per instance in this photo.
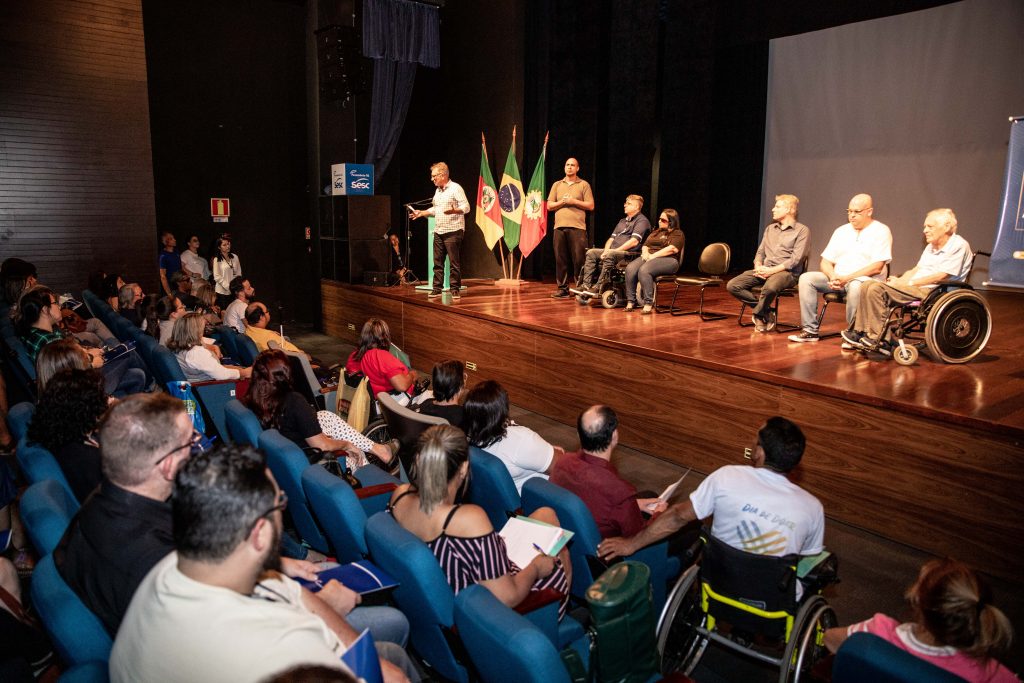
(377, 431)
(610, 298)
(680, 644)
(905, 355)
(807, 640)
(958, 326)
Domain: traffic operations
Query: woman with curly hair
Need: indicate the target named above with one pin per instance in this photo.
(272, 397)
(955, 625)
(66, 416)
(487, 423)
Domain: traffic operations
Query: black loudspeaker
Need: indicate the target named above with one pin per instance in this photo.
(368, 217)
(365, 257)
(376, 278)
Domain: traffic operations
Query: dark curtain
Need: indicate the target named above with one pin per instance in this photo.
(397, 35)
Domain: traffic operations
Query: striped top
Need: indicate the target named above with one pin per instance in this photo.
(466, 561)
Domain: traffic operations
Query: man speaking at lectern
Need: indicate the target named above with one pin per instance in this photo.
(449, 210)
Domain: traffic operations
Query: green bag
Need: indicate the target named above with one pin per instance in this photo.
(623, 625)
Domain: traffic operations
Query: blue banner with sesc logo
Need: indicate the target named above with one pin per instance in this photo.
(1007, 268)
(350, 179)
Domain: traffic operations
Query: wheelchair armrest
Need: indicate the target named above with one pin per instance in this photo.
(213, 382)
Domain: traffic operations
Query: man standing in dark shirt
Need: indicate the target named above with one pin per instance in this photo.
(169, 261)
(590, 474)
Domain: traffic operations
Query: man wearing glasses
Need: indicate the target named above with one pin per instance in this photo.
(218, 607)
(449, 210)
(857, 252)
(626, 238)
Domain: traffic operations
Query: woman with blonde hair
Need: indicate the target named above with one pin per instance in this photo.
(197, 360)
(208, 303)
(461, 537)
(955, 625)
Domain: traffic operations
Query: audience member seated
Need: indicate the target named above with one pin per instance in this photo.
(374, 359)
(590, 474)
(147, 314)
(241, 294)
(112, 290)
(199, 361)
(946, 256)
(277, 405)
(128, 298)
(39, 315)
(756, 508)
(181, 288)
(218, 608)
(955, 625)
(66, 417)
(257, 323)
(488, 425)
(659, 256)
(23, 638)
(124, 529)
(226, 267)
(467, 547)
(166, 312)
(63, 354)
(448, 382)
(208, 303)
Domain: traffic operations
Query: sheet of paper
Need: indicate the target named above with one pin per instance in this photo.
(521, 534)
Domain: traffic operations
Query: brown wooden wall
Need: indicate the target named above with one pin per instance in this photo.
(76, 177)
(931, 484)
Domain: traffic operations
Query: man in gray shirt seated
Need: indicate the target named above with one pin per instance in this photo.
(777, 264)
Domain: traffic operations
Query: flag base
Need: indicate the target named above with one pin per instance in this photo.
(508, 282)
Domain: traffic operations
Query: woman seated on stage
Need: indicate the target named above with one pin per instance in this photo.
(66, 416)
(277, 405)
(525, 453)
(200, 361)
(467, 547)
(374, 359)
(660, 255)
(448, 382)
(956, 627)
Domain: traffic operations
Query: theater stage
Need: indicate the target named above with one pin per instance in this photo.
(929, 455)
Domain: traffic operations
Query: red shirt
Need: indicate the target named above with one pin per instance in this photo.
(379, 366)
(610, 498)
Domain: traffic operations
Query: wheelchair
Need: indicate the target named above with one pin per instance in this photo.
(748, 604)
(613, 292)
(953, 323)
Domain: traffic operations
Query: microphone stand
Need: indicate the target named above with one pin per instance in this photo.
(410, 276)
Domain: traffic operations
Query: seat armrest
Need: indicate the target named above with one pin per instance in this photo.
(376, 490)
(538, 599)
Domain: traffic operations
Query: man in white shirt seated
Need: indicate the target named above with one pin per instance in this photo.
(947, 256)
(242, 293)
(856, 253)
(218, 609)
(756, 508)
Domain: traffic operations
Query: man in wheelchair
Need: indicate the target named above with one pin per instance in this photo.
(947, 256)
(624, 242)
(756, 509)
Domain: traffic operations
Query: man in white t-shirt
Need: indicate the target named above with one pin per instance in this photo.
(857, 253)
(217, 609)
(234, 314)
(756, 509)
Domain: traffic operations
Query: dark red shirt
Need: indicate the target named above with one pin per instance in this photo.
(610, 498)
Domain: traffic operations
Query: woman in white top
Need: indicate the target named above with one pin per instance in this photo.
(194, 265)
(226, 268)
(168, 310)
(487, 424)
(199, 361)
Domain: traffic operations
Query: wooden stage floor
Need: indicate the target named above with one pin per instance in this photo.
(928, 455)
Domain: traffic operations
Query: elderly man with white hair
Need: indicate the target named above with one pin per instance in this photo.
(947, 256)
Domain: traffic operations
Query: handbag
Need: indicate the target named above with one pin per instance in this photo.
(330, 462)
(623, 641)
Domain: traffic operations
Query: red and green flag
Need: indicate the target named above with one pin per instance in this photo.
(488, 214)
(535, 210)
(510, 197)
